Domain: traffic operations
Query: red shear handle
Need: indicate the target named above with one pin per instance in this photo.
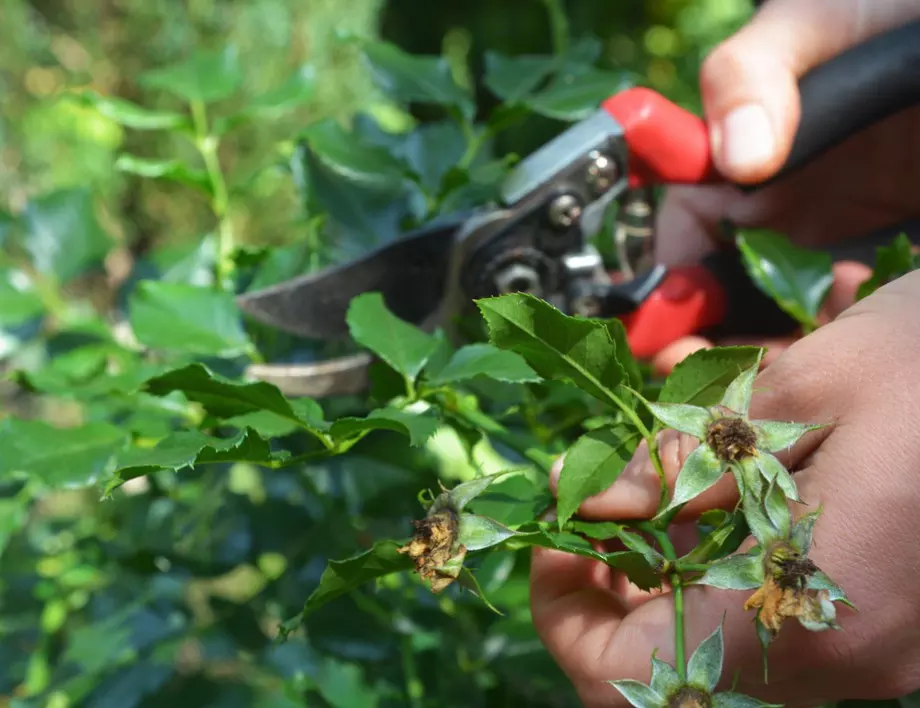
(690, 300)
(667, 144)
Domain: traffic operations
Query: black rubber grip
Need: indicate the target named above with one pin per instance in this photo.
(751, 313)
(852, 91)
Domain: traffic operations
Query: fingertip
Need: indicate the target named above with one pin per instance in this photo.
(669, 357)
(848, 276)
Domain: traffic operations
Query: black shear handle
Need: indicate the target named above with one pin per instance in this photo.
(856, 89)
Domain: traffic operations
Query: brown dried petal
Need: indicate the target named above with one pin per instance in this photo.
(432, 548)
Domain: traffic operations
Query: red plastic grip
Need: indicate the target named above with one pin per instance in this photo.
(689, 300)
(667, 144)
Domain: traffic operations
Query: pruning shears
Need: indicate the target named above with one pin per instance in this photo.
(537, 238)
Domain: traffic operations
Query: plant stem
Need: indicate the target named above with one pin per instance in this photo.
(207, 145)
(650, 439)
(680, 651)
(559, 26)
(677, 585)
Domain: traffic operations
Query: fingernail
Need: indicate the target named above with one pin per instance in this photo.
(745, 138)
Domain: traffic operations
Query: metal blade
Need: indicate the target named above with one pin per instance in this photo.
(336, 377)
(411, 275)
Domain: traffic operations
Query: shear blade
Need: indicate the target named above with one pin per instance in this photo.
(410, 274)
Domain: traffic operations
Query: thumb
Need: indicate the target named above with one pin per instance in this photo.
(749, 83)
(790, 389)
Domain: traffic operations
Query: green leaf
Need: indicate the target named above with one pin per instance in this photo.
(775, 435)
(665, 680)
(58, 457)
(185, 449)
(891, 262)
(343, 685)
(21, 300)
(738, 572)
(512, 78)
(631, 563)
(700, 471)
(737, 396)
(299, 88)
(224, 398)
(555, 345)
(170, 170)
(401, 345)
(205, 76)
(702, 378)
(772, 469)
(688, 419)
(466, 492)
(62, 233)
(758, 521)
(343, 576)
(485, 360)
(352, 158)
(14, 513)
(592, 465)
(778, 509)
(183, 318)
(822, 581)
(573, 97)
(803, 530)
(598, 530)
(797, 279)
(705, 666)
(418, 428)
(638, 694)
(131, 115)
(479, 532)
(417, 78)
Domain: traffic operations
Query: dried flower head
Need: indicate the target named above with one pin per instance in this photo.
(786, 592)
(704, 669)
(434, 547)
(729, 440)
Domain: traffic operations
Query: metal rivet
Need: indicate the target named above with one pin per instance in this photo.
(564, 211)
(603, 172)
(518, 278)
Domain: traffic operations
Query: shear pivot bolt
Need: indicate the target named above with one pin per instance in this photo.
(602, 172)
(564, 211)
(518, 278)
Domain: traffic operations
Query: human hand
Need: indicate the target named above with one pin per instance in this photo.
(858, 371)
(600, 628)
(750, 96)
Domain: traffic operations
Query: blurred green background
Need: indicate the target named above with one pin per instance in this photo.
(172, 599)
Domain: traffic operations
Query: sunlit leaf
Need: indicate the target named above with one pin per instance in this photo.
(206, 76)
(401, 345)
(225, 398)
(187, 448)
(484, 360)
(132, 115)
(418, 428)
(173, 170)
(183, 318)
(593, 464)
(57, 457)
(701, 378)
(555, 345)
